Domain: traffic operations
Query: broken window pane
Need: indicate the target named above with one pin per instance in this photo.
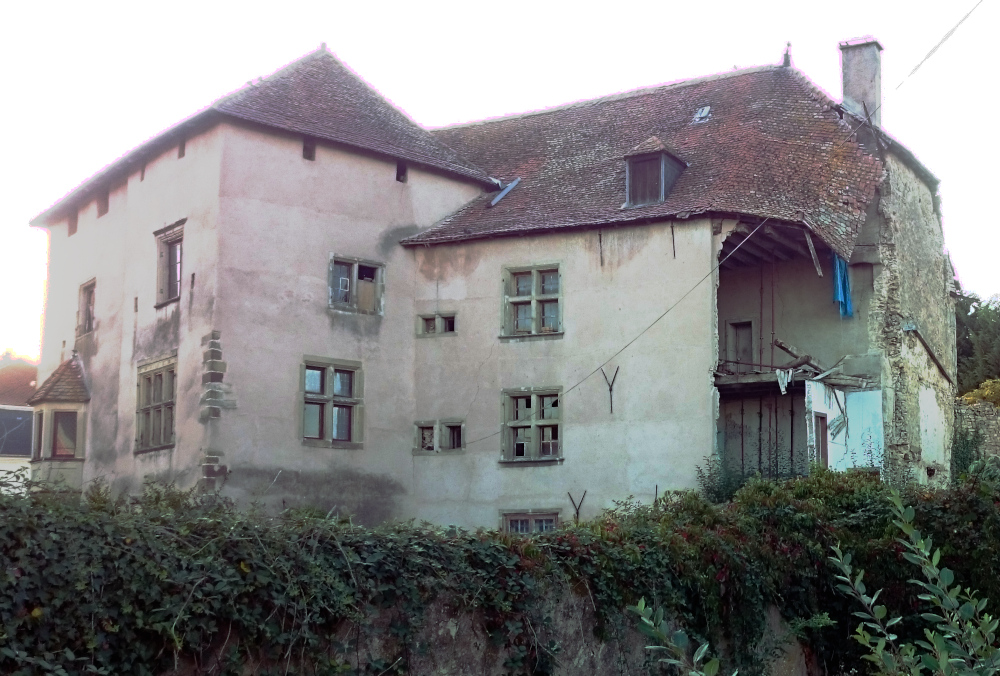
(519, 525)
(340, 285)
(314, 379)
(64, 433)
(429, 324)
(454, 436)
(550, 406)
(343, 383)
(426, 438)
(545, 525)
(550, 440)
(550, 281)
(550, 316)
(522, 407)
(522, 442)
(366, 288)
(448, 324)
(522, 284)
(342, 423)
(366, 273)
(312, 427)
(522, 318)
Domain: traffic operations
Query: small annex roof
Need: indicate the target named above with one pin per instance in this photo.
(774, 146)
(316, 96)
(66, 384)
(652, 145)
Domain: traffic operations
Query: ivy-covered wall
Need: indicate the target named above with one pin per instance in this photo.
(185, 583)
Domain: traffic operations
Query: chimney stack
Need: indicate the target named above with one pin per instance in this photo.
(861, 63)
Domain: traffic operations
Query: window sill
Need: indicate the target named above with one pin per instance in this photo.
(325, 443)
(443, 334)
(348, 310)
(532, 461)
(176, 299)
(443, 451)
(152, 449)
(517, 337)
(57, 458)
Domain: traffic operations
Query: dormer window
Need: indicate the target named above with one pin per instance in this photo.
(651, 170)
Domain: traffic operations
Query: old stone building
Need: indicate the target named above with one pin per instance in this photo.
(302, 296)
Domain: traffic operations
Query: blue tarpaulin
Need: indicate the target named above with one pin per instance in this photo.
(842, 287)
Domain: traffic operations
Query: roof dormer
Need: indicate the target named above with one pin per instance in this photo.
(651, 169)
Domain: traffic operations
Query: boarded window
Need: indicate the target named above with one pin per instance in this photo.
(644, 180)
(64, 434)
(533, 425)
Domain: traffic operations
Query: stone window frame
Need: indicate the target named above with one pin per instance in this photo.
(85, 315)
(532, 516)
(356, 402)
(512, 299)
(44, 429)
(166, 238)
(531, 421)
(146, 374)
(351, 304)
(440, 322)
(441, 428)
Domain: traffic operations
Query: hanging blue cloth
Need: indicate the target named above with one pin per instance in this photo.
(842, 287)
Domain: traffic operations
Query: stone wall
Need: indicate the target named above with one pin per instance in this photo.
(982, 417)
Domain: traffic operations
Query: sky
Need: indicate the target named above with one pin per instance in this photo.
(86, 82)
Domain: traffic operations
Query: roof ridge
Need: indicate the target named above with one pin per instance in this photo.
(630, 93)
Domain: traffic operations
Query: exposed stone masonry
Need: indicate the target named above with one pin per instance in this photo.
(982, 417)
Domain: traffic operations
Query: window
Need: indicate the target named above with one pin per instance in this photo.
(39, 427)
(822, 440)
(532, 299)
(356, 285)
(73, 222)
(702, 114)
(438, 324)
(156, 394)
(103, 202)
(740, 347)
(64, 434)
(309, 149)
(532, 424)
(332, 402)
(169, 244)
(649, 178)
(433, 436)
(85, 317)
(401, 171)
(530, 523)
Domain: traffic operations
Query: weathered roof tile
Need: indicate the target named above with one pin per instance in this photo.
(66, 384)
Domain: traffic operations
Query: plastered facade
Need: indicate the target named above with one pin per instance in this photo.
(261, 226)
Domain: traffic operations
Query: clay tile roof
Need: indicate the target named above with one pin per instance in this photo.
(66, 384)
(17, 383)
(774, 146)
(651, 145)
(316, 96)
(319, 96)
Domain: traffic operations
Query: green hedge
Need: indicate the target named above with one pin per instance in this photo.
(174, 579)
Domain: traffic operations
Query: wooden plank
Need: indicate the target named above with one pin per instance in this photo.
(812, 252)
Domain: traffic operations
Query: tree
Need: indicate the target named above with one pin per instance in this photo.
(977, 324)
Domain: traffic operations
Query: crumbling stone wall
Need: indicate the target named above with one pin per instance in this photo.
(913, 281)
(982, 418)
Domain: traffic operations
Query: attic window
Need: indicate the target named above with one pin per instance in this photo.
(650, 177)
(309, 149)
(401, 171)
(702, 114)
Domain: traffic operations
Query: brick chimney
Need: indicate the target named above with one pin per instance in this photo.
(861, 62)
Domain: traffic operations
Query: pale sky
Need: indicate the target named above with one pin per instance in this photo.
(87, 82)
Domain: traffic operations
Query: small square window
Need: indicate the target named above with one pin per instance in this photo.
(448, 324)
(525, 524)
(426, 438)
(430, 324)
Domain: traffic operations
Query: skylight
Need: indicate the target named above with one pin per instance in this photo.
(702, 114)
